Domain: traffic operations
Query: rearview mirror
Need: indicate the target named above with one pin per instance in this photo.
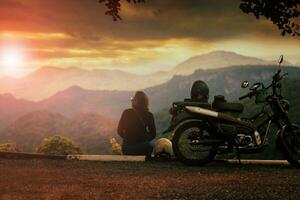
(255, 86)
(245, 84)
(280, 60)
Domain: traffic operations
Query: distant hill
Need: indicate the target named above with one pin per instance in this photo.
(47, 81)
(216, 59)
(90, 131)
(69, 103)
(12, 108)
(76, 99)
(29, 130)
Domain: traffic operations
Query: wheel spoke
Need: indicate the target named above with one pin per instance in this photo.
(194, 144)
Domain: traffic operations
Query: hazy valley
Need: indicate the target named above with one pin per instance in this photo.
(47, 81)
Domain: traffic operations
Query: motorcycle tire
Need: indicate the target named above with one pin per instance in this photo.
(287, 144)
(179, 152)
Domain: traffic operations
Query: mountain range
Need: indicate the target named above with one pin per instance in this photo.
(217, 59)
(47, 81)
(225, 81)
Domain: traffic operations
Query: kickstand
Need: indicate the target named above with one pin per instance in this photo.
(238, 155)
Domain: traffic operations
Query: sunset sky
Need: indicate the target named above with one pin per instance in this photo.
(153, 36)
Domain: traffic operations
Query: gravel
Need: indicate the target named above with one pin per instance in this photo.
(59, 179)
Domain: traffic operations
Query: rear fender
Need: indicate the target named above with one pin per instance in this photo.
(183, 116)
(192, 120)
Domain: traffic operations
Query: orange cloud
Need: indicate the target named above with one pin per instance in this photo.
(33, 36)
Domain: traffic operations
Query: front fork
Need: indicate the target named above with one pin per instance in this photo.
(280, 132)
(278, 136)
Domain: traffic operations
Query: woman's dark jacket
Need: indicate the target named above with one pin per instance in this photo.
(136, 127)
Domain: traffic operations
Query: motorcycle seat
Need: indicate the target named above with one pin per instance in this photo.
(193, 103)
(228, 107)
(220, 105)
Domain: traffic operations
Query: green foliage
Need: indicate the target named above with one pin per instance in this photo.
(58, 145)
(9, 147)
(114, 7)
(281, 13)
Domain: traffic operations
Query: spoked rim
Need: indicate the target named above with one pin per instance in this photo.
(293, 142)
(193, 144)
(291, 146)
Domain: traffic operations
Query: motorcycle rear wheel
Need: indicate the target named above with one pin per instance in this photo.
(290, 146)
(188, 140)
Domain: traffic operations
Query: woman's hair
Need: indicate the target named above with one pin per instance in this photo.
(141, 101)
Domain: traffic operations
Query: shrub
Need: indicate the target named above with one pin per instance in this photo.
(58, 145)
(9, 147)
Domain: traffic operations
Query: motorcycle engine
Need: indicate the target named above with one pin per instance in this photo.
(243, 140)
(244, 137)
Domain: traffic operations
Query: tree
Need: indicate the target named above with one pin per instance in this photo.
(114, 6)
(9, 147)
(281, 12)
(58, 145)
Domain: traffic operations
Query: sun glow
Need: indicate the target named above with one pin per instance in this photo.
(12, 59)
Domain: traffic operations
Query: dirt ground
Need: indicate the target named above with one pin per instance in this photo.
(50, 179)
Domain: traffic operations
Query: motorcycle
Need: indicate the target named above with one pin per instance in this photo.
(203, 130)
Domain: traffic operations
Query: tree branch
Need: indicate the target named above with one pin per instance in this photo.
(281, 12)
(114, 7)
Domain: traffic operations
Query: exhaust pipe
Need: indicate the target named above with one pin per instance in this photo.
(218, 115)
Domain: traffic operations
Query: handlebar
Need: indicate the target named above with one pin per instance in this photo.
(276, 78)
(277, 73)
(247, 95)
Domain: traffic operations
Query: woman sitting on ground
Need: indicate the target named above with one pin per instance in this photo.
(137, 127)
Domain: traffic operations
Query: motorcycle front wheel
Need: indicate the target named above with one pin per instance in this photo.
(290, 145)
(193, 143)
